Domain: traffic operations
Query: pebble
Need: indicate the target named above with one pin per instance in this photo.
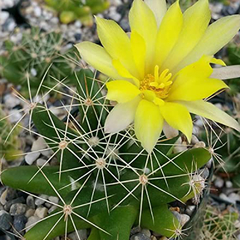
(39, 144)
(31, 157)
(229, 184)
(41, 201)
(30, 212)
(14, 116)
(41, 212)
(140, 236)
(18, 209)
(51, 209)
(184, 218)
(81, 233)
(234, 197)
(41, 162)
(8, 205)
(30, 202)
(10, 101)
(37, 11)
(3, 17)
(146, 232)
(3, 200)
(31, 222)
(5, 220)
(219, 182)
(19, 222)
(53, 199)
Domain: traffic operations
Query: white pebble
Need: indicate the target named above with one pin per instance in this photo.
(31, 222)
(41, 162)
(37, 11)
(229, 184)
(39, 144)
(31, 157)
(41, 212)
(219, 182)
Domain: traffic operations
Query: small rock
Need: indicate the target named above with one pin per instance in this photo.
(30, 212)
(31, 157)
(42, 162)
(219, 182)
(5, 220)
(39, 201)
(140, 236)
(11, 101)
(184, 218)
(30, 202)
(53, 199)
(41, 212)
(234, 197)
(229, 184)
(19, 222)
(146, 232)
(51, 209)
(8, 205)
(31, 222)
(18, 209)
(38, 145)
(81, 233)
(37, 11)
(3, 200)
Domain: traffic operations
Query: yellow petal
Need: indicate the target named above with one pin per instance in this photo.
(148, 124)
(168, 33)
(121, 91)
(124, 72)
(217, 35)
(116, 42)
(178, 117)
(195, 22)
(121, 116)
(138, 47)
(97, 57)
(142, 20)
(211, 112)
(158, 7)
(194, 83)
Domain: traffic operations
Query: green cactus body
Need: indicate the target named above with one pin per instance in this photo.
(10, 145)
(106, 182)
(38, 53)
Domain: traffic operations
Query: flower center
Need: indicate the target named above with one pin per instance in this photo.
(158, 83)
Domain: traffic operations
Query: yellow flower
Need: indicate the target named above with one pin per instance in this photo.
(162, 68)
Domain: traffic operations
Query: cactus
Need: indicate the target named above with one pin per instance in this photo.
(71, 10)
(29, 61)
(9, 145)
(219, 224)
(105, 182)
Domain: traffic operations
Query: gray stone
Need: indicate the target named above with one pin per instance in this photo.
(30, 202)
(42, 162)
(31, 222)
(140, 236)
(31, 157)
(53, 199)
(8, 205)
(219, 182)
(146, 232)
(30, 212)
(18, 209)
(39, 201)
(41, 212)
(81, 233)
(19, 222)
(5, 220)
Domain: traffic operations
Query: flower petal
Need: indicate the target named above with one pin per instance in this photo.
(211, 112)
(168, 33)
(148, 124)
(158, 7)
(193, 82)
(142, 20)
(228, 72)
(196, 20)
(178, 117)
(121, 91)
(97, 57)
(216, 36)
(116, 42)
(138, 47)
(121, 116)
